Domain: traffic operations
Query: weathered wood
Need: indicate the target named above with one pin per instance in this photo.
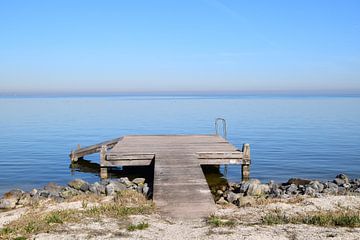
(245, 167)
(103, 169)
(180, 188)
(81, 152)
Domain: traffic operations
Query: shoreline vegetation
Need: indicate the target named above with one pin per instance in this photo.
(120, 208)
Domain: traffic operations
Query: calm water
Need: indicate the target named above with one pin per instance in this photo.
(290, 137)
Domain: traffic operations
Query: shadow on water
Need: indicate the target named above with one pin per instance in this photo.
(213, 175)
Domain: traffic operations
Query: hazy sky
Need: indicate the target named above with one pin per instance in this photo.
(194, 45)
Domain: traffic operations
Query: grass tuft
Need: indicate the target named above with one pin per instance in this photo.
(328, 218)
(140, 226)
(216, 221)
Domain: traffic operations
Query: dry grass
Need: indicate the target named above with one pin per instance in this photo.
(320, 218)
(37, 221)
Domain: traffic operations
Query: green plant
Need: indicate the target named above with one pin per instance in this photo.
(216, 221)
(140, 226)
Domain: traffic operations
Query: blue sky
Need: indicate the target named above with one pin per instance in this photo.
(179, 46)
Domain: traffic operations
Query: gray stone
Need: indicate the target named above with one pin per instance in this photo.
(256, 189)
(219, 192)
(139, 188)
(146, 189)
(291, 189)
(53, 189)
(232, 197)
(33, 192)
(245, 185)
(317, 186)
(310, 191)
(25, 199)
(68, 192)
(298, 181)
(44, 193)
(222, 201)
(357, 190)
(8, 203)
(139, 181)
(97, 188)
(79, 184)
(342, 191)
(126, 181)
(339, 181)
(113, 187)
(343, 177)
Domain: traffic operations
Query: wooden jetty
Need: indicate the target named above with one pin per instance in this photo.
(180, 188)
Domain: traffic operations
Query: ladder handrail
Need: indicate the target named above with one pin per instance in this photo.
(224, 129)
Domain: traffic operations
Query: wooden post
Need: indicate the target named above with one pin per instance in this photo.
(78, 146)
(73, 156)
(103, 168)
(245, 167)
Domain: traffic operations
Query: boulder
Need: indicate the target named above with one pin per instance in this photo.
(256, 189)
(343, 177)
(68, 192)
(126, 181)
(79, 184)
(232, 197)
(139, 181)
(298, 181)
(25, 199)
(222, 201)
(97, 188)
(113, 187)
(245, 185)
(53, 188)
(317, 186)
(292, 189)
(309, 191)
(146, 189)
(339, 181)
(10, 199)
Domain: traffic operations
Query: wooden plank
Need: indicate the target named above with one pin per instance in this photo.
(81, 152)
(219, 155)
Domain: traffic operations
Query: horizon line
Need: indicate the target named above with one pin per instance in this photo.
(181, 93)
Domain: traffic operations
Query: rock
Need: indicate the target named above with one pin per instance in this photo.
(292, 189)
(97, 188)
(245, 185)
(68, 192)
(139, 181)
(232, 197)
(10, 199)
(346, 185)
(33, 192)
(126, 181)
(221, 201)
(113, 187)
(7, 203)
(343, 177)
(139, 188)
(53, 189)
(79, 184)
(146, 189)
(298, 181)
(219, 192)
(246, 201)
(330, 188)
(256, 189)
(357, 190)
(339, 181)
(317, 186)
(25, 199)
(309, 191)
(44, 193)
(342, 191)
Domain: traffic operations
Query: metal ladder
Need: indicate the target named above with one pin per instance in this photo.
(221, 122)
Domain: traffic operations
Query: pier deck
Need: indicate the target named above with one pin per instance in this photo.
(180, 187)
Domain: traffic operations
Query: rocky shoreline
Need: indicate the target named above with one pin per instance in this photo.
(239, 194)
(246, 193)
(109, 187)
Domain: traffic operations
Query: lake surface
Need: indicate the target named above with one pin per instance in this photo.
(307, 137)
